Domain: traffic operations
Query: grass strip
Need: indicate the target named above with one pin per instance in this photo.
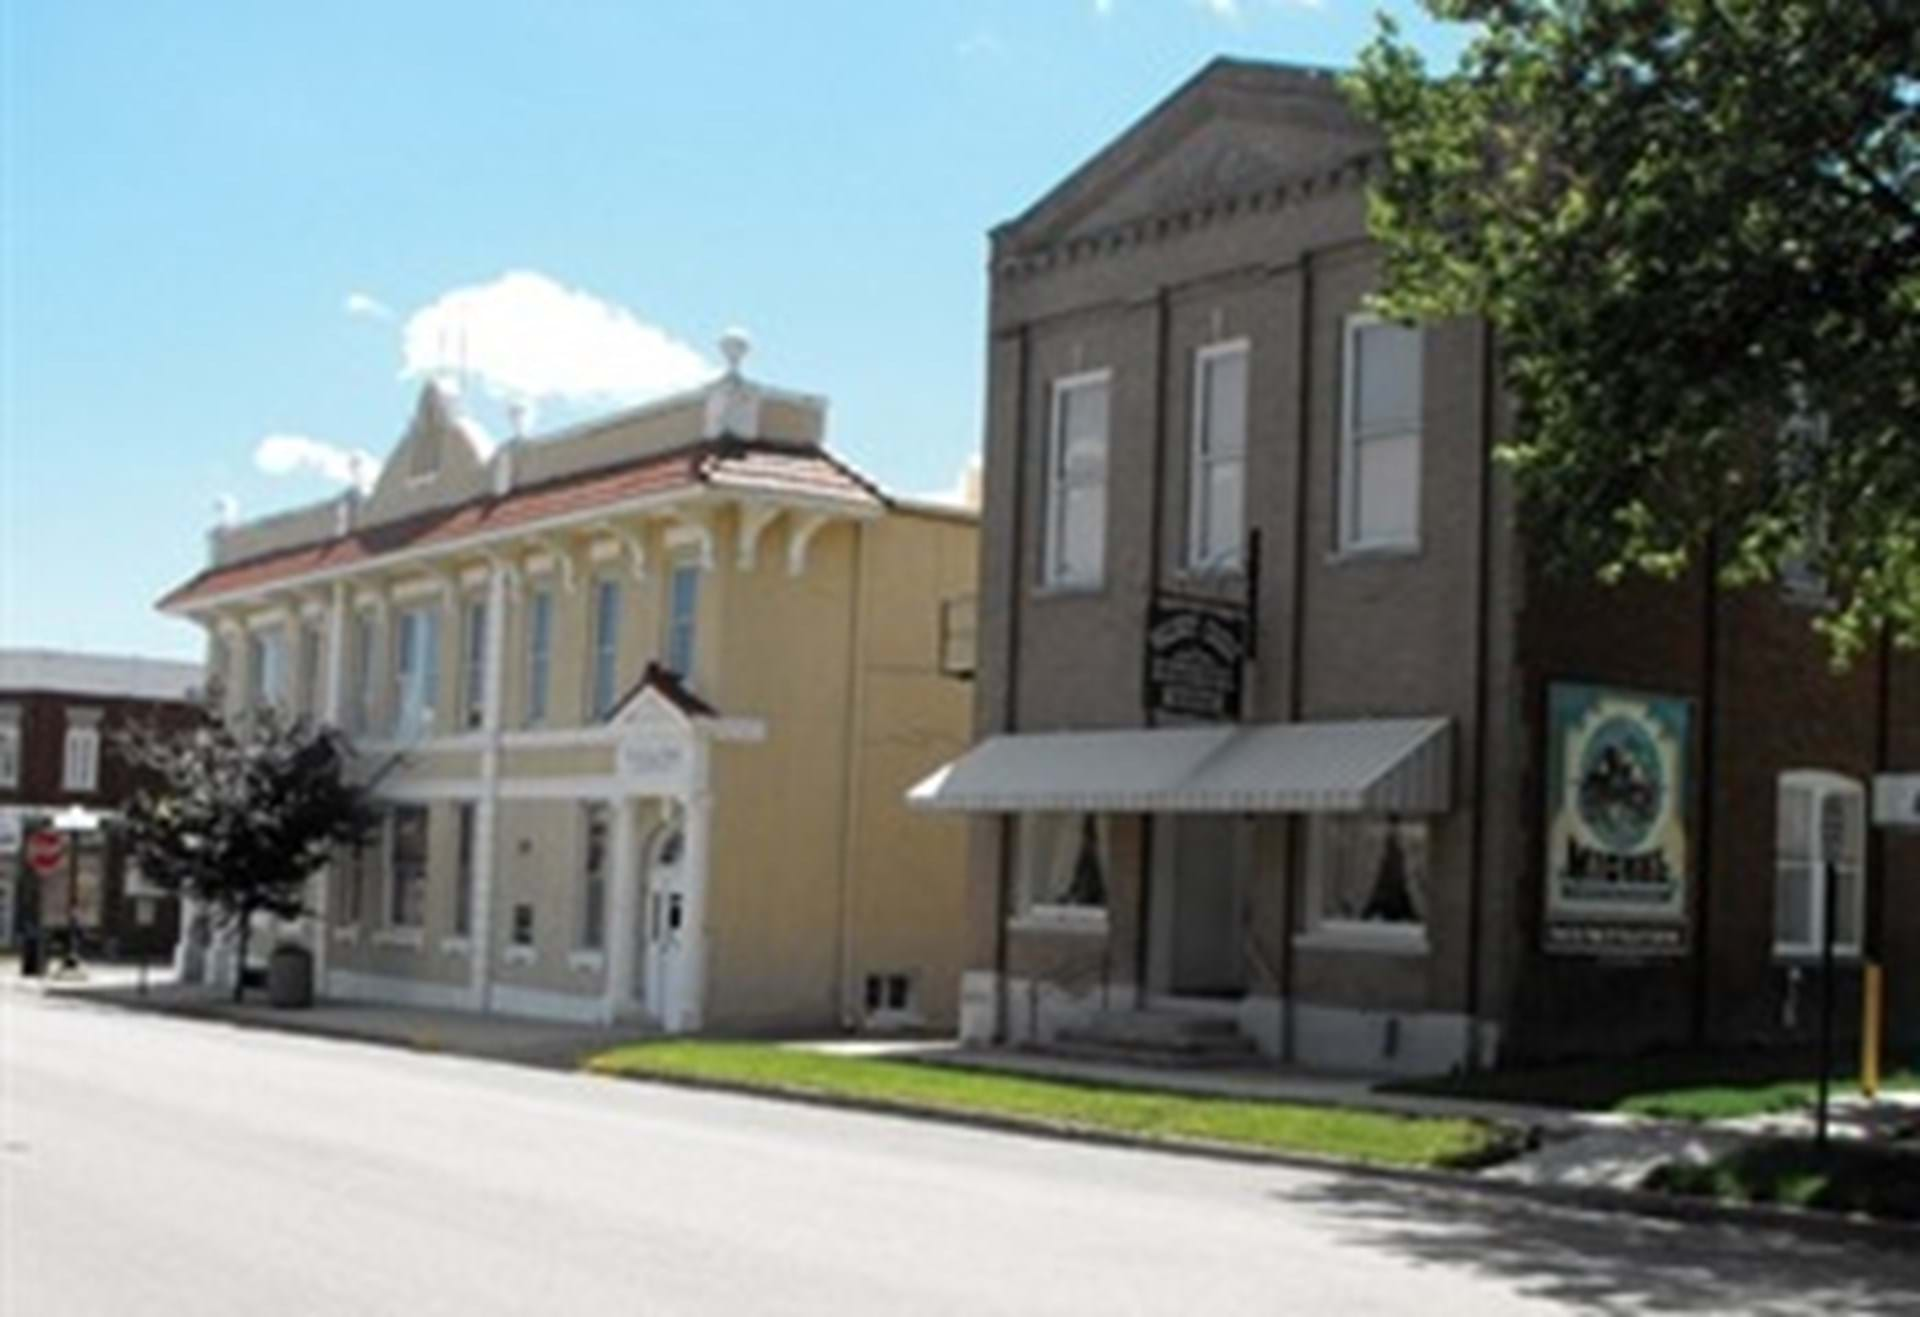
(1848, 1177)
(1364, 1136)
(1673, 1086)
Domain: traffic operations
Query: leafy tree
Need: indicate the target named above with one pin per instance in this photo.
(1690, 222)
(238, 812)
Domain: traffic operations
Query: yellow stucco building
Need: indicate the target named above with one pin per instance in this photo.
(640, 700)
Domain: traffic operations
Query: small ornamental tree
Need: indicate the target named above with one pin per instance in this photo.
(238, 812)
(1695, 228)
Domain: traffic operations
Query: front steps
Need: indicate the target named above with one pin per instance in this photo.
(1157, 1038)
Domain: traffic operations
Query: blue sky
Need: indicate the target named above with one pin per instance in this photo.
(219, 223)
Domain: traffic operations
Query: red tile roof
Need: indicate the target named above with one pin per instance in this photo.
(728, 464)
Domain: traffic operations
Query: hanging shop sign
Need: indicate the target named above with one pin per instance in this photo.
(1618, 841)
(1196, 655)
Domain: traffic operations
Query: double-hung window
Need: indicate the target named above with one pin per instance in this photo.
(1217, 473)
(1076, 513)
(593, 893)
(683, 614)
(1368, 878)
(267, 668)
(365, 655)
(1380, 417)
(603, 685)
(407, 867)
(416, 671)
(539, 655)
(9, 745)
(80, 761)
(1820, 832)
(473, 674)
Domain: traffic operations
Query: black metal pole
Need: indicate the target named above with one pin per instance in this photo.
(1827, 1003)
(72, 958)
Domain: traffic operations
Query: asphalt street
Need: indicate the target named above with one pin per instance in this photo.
(154, 1166)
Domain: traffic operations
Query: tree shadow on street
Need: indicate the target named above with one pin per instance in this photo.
(1618, 1263)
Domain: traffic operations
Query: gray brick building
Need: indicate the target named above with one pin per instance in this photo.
(1464, 811)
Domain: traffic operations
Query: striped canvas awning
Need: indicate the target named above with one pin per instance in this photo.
(1372, 766)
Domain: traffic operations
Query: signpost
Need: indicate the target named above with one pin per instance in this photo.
(1833, 840)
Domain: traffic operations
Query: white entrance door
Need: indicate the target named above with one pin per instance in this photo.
(663, 923)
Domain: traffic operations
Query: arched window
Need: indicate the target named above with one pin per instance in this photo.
(1803, 850)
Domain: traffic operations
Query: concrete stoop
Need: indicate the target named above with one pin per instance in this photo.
(1157, 1038)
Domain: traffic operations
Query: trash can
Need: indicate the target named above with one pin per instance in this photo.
(290, 977)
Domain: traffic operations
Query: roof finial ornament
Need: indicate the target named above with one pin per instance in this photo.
(735, 343)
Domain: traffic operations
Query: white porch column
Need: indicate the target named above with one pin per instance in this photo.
(486, 819)
(334, 688)
(623, 933)
(332, 692)
(690, 967)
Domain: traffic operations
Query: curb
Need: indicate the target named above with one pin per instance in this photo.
(1591, 1198)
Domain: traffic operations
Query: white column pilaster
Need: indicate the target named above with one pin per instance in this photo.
(486, 821)
(690, 967)
(622, 930)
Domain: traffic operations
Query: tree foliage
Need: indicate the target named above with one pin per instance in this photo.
(239, 812)
(1688, 221)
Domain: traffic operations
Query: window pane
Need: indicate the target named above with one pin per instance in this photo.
(1085, 415)
(1371, 870)
(539, 645)
(1222, 530)
(1064, 860)
(1386, 372)
(1084, 534)
(1076, 494)
(1793, 826)
(1224, 397)
(1849, 892)
(1387, 490)
(1793, 896)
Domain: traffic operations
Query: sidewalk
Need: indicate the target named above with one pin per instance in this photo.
(460, 1033)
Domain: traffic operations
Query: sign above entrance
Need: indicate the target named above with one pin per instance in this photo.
(654, 757)
(1196, 655)
(1616, 830)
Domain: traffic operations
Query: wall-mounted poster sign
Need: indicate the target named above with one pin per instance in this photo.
(1618, 842)
(1196, 652)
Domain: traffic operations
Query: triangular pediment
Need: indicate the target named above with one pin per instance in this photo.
(1236, 127)
(440, 460)
(658, 698)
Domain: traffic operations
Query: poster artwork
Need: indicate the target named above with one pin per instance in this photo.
(1618, 847)
(1195, 656)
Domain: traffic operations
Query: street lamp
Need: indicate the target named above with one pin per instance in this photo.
(74, 820)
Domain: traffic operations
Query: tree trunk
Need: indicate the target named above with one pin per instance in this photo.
(240, 964)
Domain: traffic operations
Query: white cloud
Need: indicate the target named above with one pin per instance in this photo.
(1228, 9)
(289, 454)
(366, 304)
(1103, 7)
(526, 336)
(983, 42)
(965, 490)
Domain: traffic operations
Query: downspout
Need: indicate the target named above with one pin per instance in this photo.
(850, 780)
(1163, 333)
(1483, 612)
(1010, 711)
(1296, 651)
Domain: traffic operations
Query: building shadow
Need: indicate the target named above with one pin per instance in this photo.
(1614, 1262)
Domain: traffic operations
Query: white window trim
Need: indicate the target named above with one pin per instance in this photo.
(1054, 488)
(1198, 459)
(1345, 522)
(683, 560)
(519, 953)
(596, 586)
(1084, 920)
(587, 961)
(1822, 783)
(455, 946)
(80, 748)
(409, 938)
(1362, 935)
(544, 668)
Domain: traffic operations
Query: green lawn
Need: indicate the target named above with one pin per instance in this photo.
(1678, 1085)
(1321, 1131)
(1848, 1177)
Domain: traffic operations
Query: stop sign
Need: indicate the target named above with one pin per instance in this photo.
(46, 852)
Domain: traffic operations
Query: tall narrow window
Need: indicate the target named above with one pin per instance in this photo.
(267, 668)
(1217, 474)
(407, 867)
(539, 654)
(1820, 829)
(365, 655)
(80, 762)
(1076, 543)
(473, 681)
(593, 894)
(603, 687)
(1380, 436)
(463, 873)
(9, 745)
(416, 671)
(683, 613)
(311, 697)
(351, 872)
